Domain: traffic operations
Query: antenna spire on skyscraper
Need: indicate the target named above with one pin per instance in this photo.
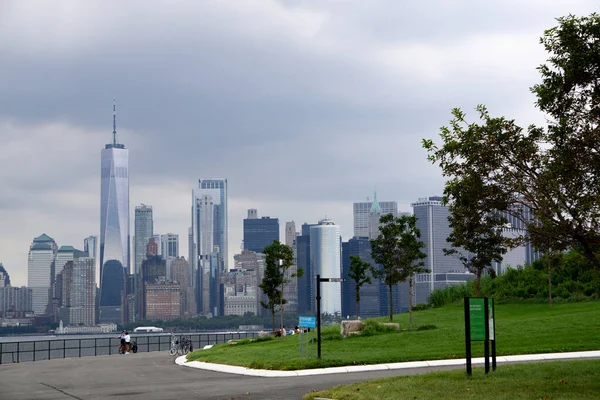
(114, 121)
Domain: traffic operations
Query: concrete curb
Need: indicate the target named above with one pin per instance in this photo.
(265, 373)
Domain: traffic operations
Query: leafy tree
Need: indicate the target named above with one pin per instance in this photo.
(358, 273)
(549, 179)
(398, 250)
(477, 238)
(279, 260)
(270, 286)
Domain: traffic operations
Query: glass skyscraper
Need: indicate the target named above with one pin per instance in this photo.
(260, 233)
(444, 270)
(114, 227)
(209, 241)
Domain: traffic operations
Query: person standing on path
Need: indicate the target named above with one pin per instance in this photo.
(122, 343)
(127, 342)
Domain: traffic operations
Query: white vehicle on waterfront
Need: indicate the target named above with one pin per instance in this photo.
(148, 329)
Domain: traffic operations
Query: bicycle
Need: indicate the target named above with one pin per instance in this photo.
(182, 346)
(185, 346)
(174, 345)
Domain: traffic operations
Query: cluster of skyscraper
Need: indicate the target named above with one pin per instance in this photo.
(163, 285)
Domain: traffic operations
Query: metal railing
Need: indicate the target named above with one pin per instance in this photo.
(37, 350)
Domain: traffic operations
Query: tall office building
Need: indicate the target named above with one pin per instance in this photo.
(370, 301)
(144, 230)
(78, 294)
(290, 233)
(158, 240)
(114, 227)
(64, 255)
(303, 261)
(325, 253)
(15, 302)
(4, 277)
(374, 296)
(290, 291)
(241, 291)
(367, 214)
(516, 227)
(191, 252)
(90, 246)
(432, 221)
(153, 271)
(169, 245)
(163, 301)
(259, 232)
(210, 250)
(40, 272)
(179, 274)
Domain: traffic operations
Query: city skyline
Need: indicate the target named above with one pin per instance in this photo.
(326, 100)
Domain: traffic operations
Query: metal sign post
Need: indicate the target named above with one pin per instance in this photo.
(480, 326)
(319, 280)
(305, 322)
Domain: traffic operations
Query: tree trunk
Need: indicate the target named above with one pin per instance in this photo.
(549, 270)
(281, 311)
(357, 301)
(410, 300)
(273, 320)
(478, 283)
(391, 305)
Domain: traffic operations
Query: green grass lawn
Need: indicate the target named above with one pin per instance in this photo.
(521, 328)
(577, 380)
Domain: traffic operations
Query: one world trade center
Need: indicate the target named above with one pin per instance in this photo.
(114, 228)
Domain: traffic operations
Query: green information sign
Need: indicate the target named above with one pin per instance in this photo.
(477, 318)
(479, 327)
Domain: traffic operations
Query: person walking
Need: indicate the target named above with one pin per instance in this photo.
(127, 342)
(122, 343)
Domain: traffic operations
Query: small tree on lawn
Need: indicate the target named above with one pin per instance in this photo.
(270, 285)
(398, 250)
(280, 258)
(358, 273)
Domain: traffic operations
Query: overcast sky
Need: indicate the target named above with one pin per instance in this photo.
(304, 106)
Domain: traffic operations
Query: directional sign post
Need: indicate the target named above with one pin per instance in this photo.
(480, 327)
(319, 280)
(305, 322)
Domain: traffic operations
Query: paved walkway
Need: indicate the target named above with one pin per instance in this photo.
(155, 376)
(383, 367)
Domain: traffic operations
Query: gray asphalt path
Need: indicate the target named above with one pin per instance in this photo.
(153, 376)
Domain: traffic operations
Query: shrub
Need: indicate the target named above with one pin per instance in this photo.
(450, 294)
(421, 307)
(373, 327)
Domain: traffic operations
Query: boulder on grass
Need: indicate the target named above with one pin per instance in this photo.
(263, 334)
(351, 327)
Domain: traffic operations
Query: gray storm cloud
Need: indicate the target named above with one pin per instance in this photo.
(304, 106)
